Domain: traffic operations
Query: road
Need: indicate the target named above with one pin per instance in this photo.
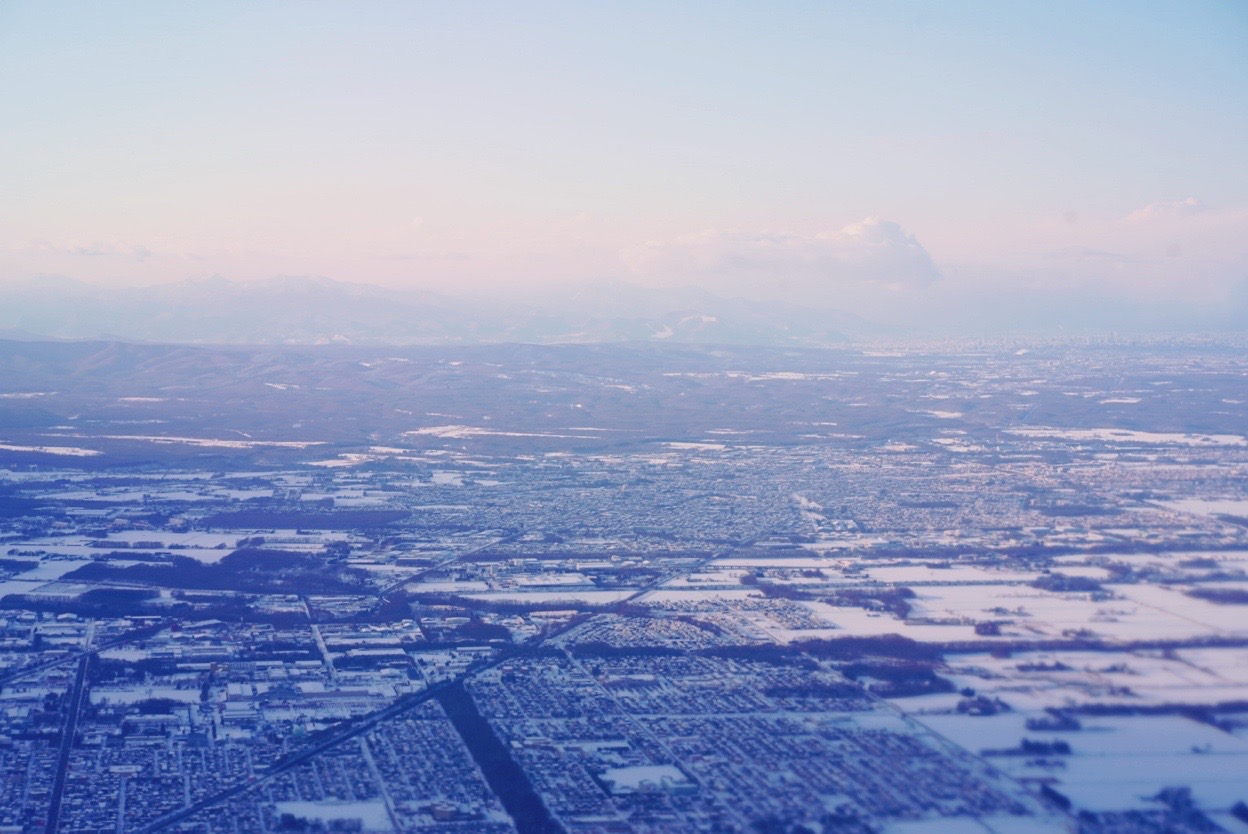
(67, 745)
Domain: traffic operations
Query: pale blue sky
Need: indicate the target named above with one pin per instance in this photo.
(725, 144)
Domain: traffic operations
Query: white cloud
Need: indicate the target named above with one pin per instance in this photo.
(1166, 209)
(871, 254)
(94, 249)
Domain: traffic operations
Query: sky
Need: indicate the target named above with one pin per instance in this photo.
(899, 160)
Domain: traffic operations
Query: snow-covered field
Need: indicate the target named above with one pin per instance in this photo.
(1128, 436)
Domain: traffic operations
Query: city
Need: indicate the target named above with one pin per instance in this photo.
(994, 588)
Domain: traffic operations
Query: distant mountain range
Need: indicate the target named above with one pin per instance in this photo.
(319, 310)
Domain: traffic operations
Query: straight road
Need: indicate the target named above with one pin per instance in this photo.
(67, 745)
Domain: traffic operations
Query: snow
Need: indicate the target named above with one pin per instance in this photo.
(17, 586)
(637, 776)
(50, 569)
(142, 693)
(937, 825)
(463, 432)
(67, 451)
(209, 442)
(371, 813)
(778, 562)
(1211, 506)
(452, 587)
(591, 597)
(129, 655)
(700, 595)
(1107, 783)
(1207, 616)
(845, 621)
(1134, 678)
(922, 573)
(1128, 436)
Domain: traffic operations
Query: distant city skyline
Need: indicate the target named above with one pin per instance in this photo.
(896, 160)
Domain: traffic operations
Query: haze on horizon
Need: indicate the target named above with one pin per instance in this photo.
(900, 161)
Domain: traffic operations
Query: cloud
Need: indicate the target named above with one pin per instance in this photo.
(128, 251)
(873, 253)
(1166, 209)
(1089, 253)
